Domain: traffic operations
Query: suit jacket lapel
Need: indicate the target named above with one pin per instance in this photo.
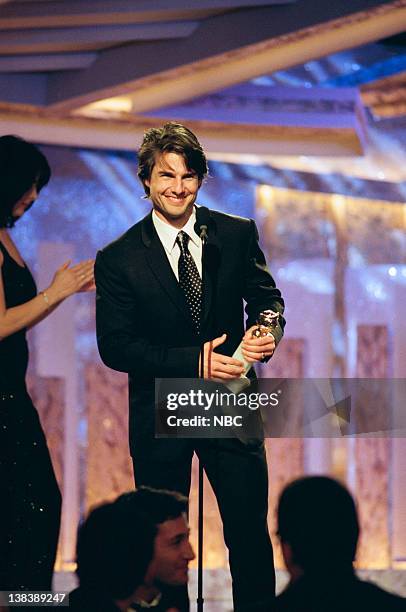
(161, 268)
(211, 266)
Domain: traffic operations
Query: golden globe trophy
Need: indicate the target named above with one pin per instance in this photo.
(266, 323)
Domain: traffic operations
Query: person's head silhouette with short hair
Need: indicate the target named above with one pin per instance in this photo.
(318, 528)
(317, 519)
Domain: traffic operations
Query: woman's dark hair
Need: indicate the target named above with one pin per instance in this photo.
(21, 166)
(170, 138)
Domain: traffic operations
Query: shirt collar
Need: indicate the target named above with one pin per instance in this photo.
(167, 233)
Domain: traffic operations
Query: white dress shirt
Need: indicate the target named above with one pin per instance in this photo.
(167, 235)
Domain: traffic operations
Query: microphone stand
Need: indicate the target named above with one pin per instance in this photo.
(200, 598)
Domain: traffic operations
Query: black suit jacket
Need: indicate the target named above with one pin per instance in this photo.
(143, 323)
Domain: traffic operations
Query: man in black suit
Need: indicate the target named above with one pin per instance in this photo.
(153, 316)
(318, 528)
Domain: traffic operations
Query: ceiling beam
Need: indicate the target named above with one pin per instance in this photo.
(59, 13)
(317, 107)
(28, 87)
(88, 37)
(226, 50)
(386, 97)
(216, 138)
(46, 63)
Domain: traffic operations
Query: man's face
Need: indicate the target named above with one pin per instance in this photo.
(172, 553)
(173, 189)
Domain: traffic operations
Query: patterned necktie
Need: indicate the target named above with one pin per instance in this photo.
(189, 279)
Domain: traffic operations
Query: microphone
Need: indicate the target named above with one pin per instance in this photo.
(202, 222)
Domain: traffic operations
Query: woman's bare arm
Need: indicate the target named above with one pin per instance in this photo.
(67, 281)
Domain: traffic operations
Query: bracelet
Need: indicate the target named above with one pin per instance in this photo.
(46, 298)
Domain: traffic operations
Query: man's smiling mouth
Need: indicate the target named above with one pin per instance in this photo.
(175, 199)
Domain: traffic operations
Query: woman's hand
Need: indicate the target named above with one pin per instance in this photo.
(69, 280)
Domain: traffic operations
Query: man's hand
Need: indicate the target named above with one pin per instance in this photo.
(256, 349)
(217, 366)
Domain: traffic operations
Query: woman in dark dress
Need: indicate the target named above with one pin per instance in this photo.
(30, 501)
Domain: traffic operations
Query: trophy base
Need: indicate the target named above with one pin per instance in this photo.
(237, 384)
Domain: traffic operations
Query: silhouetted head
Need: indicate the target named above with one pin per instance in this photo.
(317, 524)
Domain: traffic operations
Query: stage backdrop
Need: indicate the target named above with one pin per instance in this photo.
(340, 260)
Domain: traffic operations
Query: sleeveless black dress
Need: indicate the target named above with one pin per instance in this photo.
(30, 499)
